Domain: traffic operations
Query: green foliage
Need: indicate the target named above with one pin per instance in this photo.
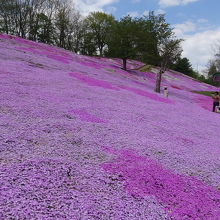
(139, 38)
(62, 22)
(122, 41)
(184, 66)
(203, 79)
(207, 93)
(208, 81)
(170, 51)
(99, 25)
(212, 68)
(44, 29)
(57, 22)
(88, 46)
(146, 42)
(145, 68)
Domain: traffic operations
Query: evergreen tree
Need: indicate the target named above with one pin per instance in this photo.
(184, 66)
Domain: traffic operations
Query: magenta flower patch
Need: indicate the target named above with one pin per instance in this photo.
(146, 94)
(32, 50)
(59, 58)
(204, 101)
(49, 54)
(85, 116)
(93, 82)
(26, 42)
(183, 197)
(7, 37)
(91, 64)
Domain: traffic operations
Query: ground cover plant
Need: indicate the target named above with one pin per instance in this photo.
(80, 138)
(207, 93)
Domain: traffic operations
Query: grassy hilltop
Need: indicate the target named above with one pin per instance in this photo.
(80, 138)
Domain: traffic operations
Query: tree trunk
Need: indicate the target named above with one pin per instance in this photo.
(124, 63)
(6, 25)
(158, 81)
(100, 50)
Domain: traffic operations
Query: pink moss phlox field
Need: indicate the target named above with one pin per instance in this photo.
(204, 101)
(92, 82)
(183, 197)
(85, 116)
(146, 94)
(49, 54)
(56, 189)
(91, 64)
(57, 110)
(33, 50)
(59, 58)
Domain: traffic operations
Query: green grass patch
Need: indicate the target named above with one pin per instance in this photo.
(207, 93)
(145, 68)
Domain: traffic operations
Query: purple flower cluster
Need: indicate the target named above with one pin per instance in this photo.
(85, 116)
(184, 197)
(92, 82)
(57, 111)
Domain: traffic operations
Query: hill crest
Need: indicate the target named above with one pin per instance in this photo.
(80, 138)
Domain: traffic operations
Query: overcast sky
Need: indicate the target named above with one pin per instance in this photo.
(196, 21)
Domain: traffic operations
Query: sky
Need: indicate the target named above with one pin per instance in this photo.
(195, 21)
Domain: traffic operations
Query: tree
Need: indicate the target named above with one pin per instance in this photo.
(211, 69)
(6, 8)
(99, 25)
(49, 21)
(216, 59)
(88, 46)
(62, 21)
(75, 31)
(170, 50)
(183, 65)
(20, 17)
(145, 41)
(158, 30)
(44, 29)
(122, 42)
(35, 8)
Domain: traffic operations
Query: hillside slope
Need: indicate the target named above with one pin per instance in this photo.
(82, 139)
